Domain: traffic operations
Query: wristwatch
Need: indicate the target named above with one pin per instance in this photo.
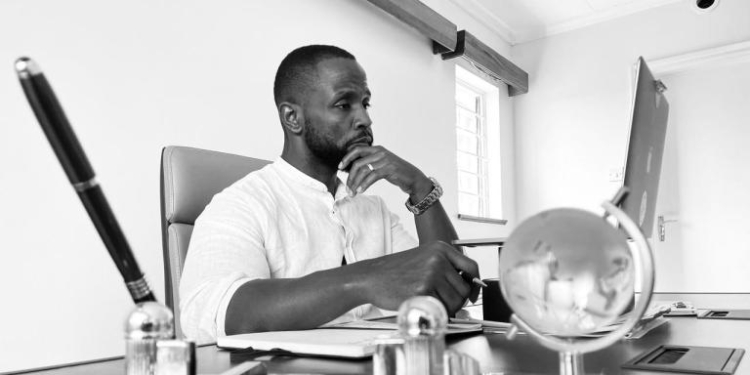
(426, 202)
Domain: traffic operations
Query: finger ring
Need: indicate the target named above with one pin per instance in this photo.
(371, 167)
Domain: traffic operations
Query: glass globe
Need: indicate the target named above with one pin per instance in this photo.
(567, 272)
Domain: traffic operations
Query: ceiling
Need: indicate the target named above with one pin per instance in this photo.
(519, 21)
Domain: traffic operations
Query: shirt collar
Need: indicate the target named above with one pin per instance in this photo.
(300, 177)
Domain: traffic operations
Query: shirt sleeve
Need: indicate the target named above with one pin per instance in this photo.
(401, 239)
(226, 250)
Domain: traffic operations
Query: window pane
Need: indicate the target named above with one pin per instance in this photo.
(468, 163)
(467, 142)
(466, 120)
(466, 98)
(468, 204)
(468, 183)
(476, 119)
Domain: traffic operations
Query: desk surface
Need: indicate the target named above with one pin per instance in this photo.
(497, 354)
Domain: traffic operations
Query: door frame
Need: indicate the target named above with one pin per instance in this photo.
(713, 57)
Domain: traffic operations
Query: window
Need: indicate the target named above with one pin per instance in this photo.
(477, 147)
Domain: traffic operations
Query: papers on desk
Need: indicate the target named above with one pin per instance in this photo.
(652, 318)
(679, 308)
(330, 342)
(389, 323)
(356, 339)
(487, 326)
(637, 332)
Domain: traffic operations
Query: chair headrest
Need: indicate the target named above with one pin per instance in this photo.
(192, 176)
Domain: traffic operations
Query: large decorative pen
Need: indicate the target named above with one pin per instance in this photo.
(64, 142)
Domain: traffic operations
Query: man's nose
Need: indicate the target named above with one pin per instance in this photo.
(362, 118)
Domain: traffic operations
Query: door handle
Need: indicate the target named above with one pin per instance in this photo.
(661, 222)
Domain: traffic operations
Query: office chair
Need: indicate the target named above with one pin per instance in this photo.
(190, 177)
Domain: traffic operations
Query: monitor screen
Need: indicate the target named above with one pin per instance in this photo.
(648, 130)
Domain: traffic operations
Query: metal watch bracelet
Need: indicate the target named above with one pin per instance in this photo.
(426, 202)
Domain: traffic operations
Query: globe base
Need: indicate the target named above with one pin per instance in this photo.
(571, 363)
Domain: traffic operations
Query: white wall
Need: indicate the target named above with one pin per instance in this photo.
(134, 78)
(572, 126)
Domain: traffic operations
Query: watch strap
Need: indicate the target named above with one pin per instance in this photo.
(427, 201)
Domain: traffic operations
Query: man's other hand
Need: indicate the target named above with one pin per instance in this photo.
(428, 270)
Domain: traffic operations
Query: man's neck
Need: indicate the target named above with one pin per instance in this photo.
(315, 169)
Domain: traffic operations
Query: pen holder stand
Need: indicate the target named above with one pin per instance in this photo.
(422, 324)
(145, 325)
(390, 359)
(175, 357)
(460, 364)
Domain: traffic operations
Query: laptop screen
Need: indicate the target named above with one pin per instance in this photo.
(645, 148)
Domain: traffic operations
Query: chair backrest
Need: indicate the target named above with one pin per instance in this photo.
(190, 177)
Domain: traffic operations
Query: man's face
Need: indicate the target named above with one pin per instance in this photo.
(336, 117)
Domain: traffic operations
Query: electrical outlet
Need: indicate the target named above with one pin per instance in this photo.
(616, 174)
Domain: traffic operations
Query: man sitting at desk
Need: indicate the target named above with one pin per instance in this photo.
(296, 245)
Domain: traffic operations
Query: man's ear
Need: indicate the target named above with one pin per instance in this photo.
(291, 117)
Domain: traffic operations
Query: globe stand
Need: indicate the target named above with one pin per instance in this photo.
(571, 350)
(571, 363)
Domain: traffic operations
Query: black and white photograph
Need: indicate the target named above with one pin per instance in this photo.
(435, 187)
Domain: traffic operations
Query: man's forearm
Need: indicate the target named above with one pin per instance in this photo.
(385, 282)
(434, 225)
(291, 304)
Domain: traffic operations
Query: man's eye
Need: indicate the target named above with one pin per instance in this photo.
(366, 104)
(343, 105)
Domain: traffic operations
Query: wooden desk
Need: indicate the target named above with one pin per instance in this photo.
(497, 354)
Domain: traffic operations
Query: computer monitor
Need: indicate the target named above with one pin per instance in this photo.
(648, 131)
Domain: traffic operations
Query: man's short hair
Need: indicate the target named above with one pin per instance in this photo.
(297, 71)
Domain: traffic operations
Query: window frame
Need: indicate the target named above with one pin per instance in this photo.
(488, 159)
(479, 113)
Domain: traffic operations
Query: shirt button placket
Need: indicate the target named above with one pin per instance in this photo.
(335, 216)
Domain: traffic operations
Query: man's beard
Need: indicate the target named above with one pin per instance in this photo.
(323, 146)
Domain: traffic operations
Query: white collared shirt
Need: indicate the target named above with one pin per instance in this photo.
(278, 223)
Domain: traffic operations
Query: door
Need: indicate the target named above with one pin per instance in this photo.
(704, 193)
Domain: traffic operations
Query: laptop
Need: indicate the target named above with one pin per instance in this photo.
(648, 130)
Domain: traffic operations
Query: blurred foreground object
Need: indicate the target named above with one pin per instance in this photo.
(420, 349)
(567, 272)
(149, 321)
(145, 325)
(422, 323)
(73, 159)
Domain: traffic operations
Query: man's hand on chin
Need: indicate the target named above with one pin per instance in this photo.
(368, 164)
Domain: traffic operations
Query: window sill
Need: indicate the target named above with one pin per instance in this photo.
(485, 220)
